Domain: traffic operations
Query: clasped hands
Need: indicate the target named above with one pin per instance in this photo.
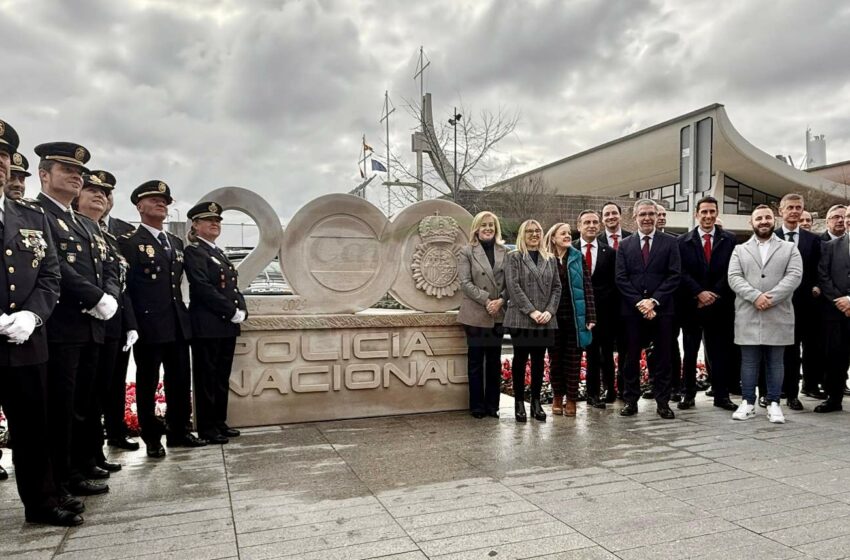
(541, 318)
(763, 302)
(647, 308)
(18, 326)
(105, 308)
(494, 306)
(843, 305)
(706, 298)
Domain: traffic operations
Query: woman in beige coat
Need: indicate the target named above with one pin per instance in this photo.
(482, 280)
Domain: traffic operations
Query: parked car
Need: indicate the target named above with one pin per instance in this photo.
(269, 282)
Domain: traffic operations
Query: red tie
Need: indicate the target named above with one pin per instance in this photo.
(616, 242)
(645, 250)
(588, 258)
(707, 247)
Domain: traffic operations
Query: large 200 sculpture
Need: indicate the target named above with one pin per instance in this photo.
(321, 353)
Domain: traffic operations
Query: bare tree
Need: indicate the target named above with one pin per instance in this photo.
(478, 161)
(516, 201)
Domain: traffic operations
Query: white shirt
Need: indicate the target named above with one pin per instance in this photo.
(155, 232)
(618, 233)
(2, 207)
(593, 253)
(642, 235)
(764, 247)
(833, 237)
(67, 209)
(796, 233)
(210, 243)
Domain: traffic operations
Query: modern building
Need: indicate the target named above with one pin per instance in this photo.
(715, 158)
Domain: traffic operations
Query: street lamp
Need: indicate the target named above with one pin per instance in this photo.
(453, 121)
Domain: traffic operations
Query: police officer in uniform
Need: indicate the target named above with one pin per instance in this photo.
(75, 330)
(29, 277)
(217, 308)
(153, 282)
(16, 184)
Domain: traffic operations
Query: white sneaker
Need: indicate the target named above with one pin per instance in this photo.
(745, 411)
(774, 413)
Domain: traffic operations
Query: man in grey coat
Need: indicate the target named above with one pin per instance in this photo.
(763, 273)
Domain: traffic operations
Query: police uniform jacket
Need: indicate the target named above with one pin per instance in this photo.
(124, 319)
(86, 275)
(29, 277)
(214, 295)
(153, 286)
(118, 227)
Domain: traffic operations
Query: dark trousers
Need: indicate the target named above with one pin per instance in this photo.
(23, 396)
(174, 358)
(600, 360)
(521, 357)
(87, 430)
(565, 361)
(484, 367)
(639, 334)
(718, 337)
(71, 370)
(212, 359)
(115, 397)
(838, 352)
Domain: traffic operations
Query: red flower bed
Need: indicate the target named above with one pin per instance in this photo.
(131, 417)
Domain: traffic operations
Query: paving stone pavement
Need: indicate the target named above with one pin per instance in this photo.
(447, 486)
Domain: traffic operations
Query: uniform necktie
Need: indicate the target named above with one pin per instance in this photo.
(163, 240)
(616, 242)
(645, 250)
(588, 258)
(706, 248)
(70, 213)
(789, 235)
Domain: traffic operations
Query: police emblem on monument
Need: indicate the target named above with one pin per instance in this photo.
(434, 263)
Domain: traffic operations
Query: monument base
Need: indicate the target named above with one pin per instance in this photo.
(304, 368)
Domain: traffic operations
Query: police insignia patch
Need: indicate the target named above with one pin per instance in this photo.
(161, 187)
(214, 207)
(17, 159)
(80, 154)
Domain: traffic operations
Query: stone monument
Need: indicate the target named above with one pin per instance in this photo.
(322, 353)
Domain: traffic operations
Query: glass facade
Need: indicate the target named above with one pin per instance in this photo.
(740, 199)
(668, 195)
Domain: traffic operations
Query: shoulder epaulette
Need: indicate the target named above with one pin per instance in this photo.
(128, 235)
(31, 204)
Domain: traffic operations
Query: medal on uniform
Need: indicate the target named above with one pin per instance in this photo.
(141, 248)
(34, 240)
(79, 248)
(35, 263)
(216, 261)
(62, 224)
(179, 255)
(72, 258)
(149, 251)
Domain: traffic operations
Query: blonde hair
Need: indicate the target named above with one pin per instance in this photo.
(549, 240)
(476, 223)
(520, 239)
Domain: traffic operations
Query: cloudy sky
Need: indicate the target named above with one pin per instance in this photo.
(275, 95)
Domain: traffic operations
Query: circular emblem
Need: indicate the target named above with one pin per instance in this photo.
(80, 154)
(102, 176)
(17, 159)
(161, 187)
(213, 208)
(438, 267)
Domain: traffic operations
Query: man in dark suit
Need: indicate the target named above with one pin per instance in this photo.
(153, 282)
(613, 234)
(835, 223)
(648, 270)
(75, 330)
(217, 308)
(601, 261)
(29, 276)
(805, 306)
(834, 281)
(706, 304)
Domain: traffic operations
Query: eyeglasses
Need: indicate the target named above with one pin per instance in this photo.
(533, 231)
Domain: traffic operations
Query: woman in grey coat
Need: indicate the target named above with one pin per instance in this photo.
(480, 268)
(534, 291)
(763, 273)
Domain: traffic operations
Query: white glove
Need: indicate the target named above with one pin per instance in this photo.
(106, 307)
(21, 326)
(132, 338)
(238, 317)
(5, 321)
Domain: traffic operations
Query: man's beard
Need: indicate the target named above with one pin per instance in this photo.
(766, 236)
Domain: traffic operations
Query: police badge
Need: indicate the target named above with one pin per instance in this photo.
(33, 240)
(62, 224)
(149, 251)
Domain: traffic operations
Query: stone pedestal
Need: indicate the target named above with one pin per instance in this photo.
(303, 368)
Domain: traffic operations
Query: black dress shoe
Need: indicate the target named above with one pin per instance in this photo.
(88, 488)
(519, 411)
(475, 414)
(123, 443)
(109, 467)
(70, 503)
(54, 516)
(649, 394)
(815, 393)
(795, 404)
(726, 405)
(3, 474)
(184, 440)
(96, 473)
(629, 410)
(686, 404)
(665, 412)
(610, 397)
(763, 402)
(676, 397)
(828, 406)
(493, 413)
(596, 403)
(537, 410)
(155, 450)
(227, 431)
(709, 392)
(218, 439)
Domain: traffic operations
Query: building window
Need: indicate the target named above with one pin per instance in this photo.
(740, 199)
(668, 196)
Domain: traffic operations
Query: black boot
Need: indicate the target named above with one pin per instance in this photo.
(519, 410)
(537, 410)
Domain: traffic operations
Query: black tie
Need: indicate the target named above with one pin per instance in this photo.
(790, 235)
(163, 240)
